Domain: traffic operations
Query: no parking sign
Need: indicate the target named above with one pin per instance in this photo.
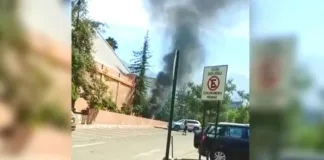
(214, 80)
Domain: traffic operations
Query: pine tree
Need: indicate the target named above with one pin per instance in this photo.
(139, 67)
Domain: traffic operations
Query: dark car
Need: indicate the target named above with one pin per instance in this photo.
(231, 142)
(198, 133)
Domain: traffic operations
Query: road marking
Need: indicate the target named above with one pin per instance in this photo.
(146, 153)
(89, 144)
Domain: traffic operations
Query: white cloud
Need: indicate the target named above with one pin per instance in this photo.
(132, 13)
(119, 12)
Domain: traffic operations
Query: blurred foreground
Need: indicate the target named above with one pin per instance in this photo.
(35, 80)
(287, 118)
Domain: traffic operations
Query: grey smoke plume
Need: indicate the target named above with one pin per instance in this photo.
(183, 20)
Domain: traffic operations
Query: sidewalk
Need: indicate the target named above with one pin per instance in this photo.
(190, 156)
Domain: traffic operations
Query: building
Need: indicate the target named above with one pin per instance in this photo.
(113, 72)
(235, 104)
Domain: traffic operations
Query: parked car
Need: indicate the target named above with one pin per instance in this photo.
(198, 134)
(73, 121)
(193, 125)
(231, 142)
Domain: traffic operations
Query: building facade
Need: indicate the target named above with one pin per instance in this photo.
(113, 72)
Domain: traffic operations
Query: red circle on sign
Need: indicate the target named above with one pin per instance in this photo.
(269, 72)
(213, 83)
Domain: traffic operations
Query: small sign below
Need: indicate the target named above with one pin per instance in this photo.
(214, 80)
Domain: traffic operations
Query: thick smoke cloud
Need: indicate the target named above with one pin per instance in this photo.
(183, 21)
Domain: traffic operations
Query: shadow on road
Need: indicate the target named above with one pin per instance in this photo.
(165, 128)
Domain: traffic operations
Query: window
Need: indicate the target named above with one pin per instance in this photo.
(235, 132)
(180, 121)
(193, 122)
(220, 131)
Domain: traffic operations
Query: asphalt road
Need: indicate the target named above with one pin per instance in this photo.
(129, 144)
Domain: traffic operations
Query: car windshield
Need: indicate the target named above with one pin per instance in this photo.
(181, 120)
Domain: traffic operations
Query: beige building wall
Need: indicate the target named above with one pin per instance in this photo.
(112, 71)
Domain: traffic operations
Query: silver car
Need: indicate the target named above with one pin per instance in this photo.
(193, 125)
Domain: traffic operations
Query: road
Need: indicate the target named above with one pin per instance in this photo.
(129, 144)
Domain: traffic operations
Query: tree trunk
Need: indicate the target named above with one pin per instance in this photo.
(73, 106)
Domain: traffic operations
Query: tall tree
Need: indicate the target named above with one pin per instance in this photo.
(83, 32)
(139, 67)
(112, 42)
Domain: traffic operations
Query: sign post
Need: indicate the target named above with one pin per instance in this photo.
(175, 75)
(213, 89)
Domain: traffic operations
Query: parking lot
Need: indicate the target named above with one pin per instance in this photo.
(128, 143)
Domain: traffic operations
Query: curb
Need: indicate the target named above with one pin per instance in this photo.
(103, 126)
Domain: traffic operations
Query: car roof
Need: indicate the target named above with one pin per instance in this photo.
(192, 120)
(231, 124)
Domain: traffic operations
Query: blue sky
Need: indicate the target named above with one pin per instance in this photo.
(302, 18)
(227, 40)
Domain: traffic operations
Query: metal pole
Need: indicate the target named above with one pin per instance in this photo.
(202, 128)
(217, 116)
(172, 145)
(175, 74)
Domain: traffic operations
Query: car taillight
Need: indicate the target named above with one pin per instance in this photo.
(203, 137)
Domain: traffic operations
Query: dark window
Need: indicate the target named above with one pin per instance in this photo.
(193, 122)
(220, 131)
(234, 132)
(248, 133)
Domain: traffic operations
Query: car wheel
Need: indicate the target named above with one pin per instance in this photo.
(177, 128)
(218, 155)
(195, 129)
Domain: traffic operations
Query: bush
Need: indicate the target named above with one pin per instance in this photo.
(126, 109)
(109, 105)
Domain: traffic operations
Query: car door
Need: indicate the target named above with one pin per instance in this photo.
(190, 125)
(234, 142)
(245, 144)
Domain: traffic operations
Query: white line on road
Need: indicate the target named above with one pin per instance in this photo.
(89, 144)
(146, 153)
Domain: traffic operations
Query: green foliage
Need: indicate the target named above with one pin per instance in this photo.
(139, 67)
(239, 115)
(108, 104)
(189, 105)
(83, 65)
(75, 93)
(96, 93)
(126, 109)
(112, 42)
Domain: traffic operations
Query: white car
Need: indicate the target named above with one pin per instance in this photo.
(193, 125)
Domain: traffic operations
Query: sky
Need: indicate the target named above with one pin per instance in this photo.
(227, 41)
(303, 19)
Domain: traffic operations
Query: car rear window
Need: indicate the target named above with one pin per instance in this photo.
(193, 122)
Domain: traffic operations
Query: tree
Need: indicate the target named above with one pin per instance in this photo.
(75, 95)
(83, 31)
(189, 105)
(139, 68)
(112, 42)
(96, 93)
